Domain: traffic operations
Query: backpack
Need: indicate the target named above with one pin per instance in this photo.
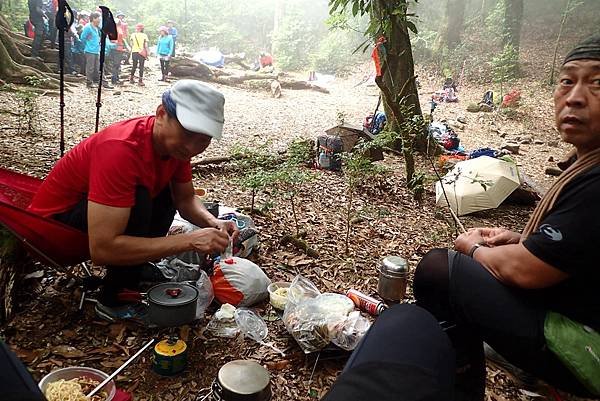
(488, 98)
(375, 124)
(329, 148)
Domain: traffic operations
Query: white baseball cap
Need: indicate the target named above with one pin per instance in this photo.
(199, 107)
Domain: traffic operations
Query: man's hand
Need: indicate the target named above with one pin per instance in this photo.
(229, 227)
(499, 236)
(209, 240)
(464, 242)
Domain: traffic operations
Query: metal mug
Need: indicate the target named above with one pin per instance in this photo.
(393, 278)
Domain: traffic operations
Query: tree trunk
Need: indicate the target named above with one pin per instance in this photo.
(455, 20)
(398, 84)
(15, 67)
(277, 17)
(513, 21)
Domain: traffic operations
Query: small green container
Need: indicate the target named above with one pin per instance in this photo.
(169, 357)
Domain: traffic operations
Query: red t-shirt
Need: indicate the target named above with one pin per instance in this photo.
(107, 167)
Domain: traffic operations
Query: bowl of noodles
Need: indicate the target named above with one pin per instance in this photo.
(72, 384)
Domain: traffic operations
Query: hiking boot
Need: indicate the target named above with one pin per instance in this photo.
(521, 378)
(106, 85)
(141, 83)
(135, 312)
(131, 81)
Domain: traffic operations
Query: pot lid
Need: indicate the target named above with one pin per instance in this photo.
(243, 377)
(170, 348)
(172, 294)
(394, 265)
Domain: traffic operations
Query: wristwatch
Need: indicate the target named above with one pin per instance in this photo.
(475, 247)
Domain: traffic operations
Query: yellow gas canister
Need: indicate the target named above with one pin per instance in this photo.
(170, 357)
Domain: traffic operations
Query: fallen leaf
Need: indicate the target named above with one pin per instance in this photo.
(66, 351)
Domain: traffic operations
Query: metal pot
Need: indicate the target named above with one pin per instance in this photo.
(242, 380)
(172, 304)
(393, 276)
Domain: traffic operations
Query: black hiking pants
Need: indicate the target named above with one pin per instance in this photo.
(459, 291)
(150, 217)
(404, 356)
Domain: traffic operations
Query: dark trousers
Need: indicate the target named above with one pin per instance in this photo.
(116, 58)
(404, 356)
(69, 62)
(149, 217)
(16, 384)
(461, 292)
(92, 67)
(164, 68)
(52, 31)
(38, 28)
(137, 60)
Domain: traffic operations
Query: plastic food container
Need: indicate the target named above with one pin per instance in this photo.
(73, 372)
(277, 299)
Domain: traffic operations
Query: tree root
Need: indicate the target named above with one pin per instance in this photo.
(300, 244)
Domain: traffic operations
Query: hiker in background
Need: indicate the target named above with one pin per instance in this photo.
(70, 38)
(164, 49)
(83, 18)
(121, 49)
(90, 37)
(139, 52)
(123, 28)
(50, 8)
(173, 33)
(265, 60)
(532, 296)
(28, 29)
(77, 50)
(110, 58)
(36, 16)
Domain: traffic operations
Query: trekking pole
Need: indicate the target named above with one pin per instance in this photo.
(109, 28)
(372, 125)
(62, 21)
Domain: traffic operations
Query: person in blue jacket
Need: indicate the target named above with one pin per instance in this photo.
(164, 49)
(173, 33)
(90, 37)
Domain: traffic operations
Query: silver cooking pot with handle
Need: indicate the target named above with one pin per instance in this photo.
(242, 380)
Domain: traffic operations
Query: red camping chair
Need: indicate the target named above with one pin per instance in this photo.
(49, 240)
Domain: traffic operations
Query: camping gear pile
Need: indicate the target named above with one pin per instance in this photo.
(445, 136)
(341, 139)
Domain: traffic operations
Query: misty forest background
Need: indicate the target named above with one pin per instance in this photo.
(302, 35)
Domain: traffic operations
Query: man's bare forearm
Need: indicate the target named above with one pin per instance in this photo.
(126, 250)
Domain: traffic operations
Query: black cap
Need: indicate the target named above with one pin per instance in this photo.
(589, 49)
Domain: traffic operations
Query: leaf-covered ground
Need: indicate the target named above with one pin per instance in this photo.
(48, 331)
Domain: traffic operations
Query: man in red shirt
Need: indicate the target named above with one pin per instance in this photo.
(123, 185)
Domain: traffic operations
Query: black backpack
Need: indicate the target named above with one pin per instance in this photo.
(329, 149)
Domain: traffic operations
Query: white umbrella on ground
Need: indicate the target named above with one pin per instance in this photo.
(477, 184)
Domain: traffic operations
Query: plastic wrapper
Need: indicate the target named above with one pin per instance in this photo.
(205, 293)
(315, 319)
(349, 331)
(223, 323)
(251, 325)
